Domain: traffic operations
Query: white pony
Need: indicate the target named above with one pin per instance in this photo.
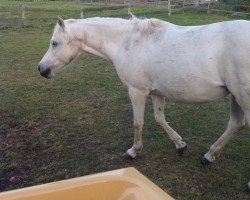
(191, 64)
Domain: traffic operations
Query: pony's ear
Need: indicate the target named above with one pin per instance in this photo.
(61, 22)
(131, 14)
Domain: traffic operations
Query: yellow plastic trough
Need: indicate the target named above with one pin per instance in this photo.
(122, 184)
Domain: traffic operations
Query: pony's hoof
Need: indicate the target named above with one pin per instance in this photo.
(181, 150)
(127, 156)
(205, 161)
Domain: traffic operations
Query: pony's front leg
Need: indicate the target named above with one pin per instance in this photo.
(138, 99)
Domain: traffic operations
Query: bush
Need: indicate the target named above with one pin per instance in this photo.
(238, 5)
(237, 2)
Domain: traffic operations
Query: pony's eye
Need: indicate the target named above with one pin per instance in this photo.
(54, 44)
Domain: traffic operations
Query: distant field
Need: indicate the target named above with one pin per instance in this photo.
(81, 122)
(72, 10)
(30, 15)
(51, 4)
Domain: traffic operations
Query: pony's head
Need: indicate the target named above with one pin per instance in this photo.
(62, 50)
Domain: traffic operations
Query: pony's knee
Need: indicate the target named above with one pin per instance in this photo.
(138, 126)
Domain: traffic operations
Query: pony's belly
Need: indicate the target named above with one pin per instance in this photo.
(191, 95)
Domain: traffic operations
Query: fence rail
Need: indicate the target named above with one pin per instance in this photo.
(171, 7)
(103, 8)
(87, 9)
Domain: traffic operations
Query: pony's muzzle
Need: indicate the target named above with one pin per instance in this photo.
(44, 72)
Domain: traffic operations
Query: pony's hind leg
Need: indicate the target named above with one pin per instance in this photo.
(236, 122)
(159, 103)
(247, 113)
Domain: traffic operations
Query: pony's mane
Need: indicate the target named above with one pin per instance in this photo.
(144, 26)
(99, 20)
(148, 26)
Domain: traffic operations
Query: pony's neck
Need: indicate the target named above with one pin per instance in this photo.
(102, 36)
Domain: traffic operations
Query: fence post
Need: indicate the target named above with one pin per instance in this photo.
(196, 3)
(23, 12)
(81, 12)
(183, 5)
(169, 7)
(208, 8)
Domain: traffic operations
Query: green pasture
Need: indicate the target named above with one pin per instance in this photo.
(30, 15)
(53, 4)
(81, 122)
(73, 9)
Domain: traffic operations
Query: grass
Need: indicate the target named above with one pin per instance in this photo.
(53, 15)
(80, 123)
(31, 15)
(52, 4)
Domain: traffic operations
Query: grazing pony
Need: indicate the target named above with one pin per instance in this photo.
(191, 64)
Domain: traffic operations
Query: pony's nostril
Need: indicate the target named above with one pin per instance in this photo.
(39, 67)
(46, 73)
